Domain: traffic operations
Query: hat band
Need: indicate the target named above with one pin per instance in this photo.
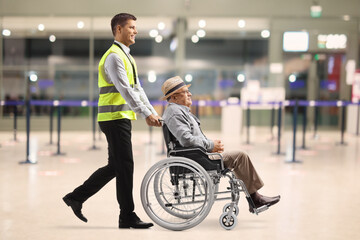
(175, 88)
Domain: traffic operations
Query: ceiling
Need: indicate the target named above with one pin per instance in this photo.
(68, 26)
(22, 17)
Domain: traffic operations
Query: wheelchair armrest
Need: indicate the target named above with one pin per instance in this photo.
(198, 150)
(189, 150)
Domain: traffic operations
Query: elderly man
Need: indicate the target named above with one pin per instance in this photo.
(186, 129)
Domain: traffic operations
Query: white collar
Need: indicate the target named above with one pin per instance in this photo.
(125, 48)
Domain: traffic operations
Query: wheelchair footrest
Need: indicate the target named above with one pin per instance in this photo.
(261, 209)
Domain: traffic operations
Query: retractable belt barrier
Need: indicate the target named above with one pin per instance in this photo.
(197, 103)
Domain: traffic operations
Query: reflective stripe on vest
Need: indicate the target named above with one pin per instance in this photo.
(110, 89)
(114, 108)
(112, 105)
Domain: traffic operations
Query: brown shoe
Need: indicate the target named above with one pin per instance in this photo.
(260, 200)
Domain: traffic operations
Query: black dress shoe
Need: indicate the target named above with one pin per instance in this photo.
(133, 222)
(76, 206)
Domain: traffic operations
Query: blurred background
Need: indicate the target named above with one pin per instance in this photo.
(232, 52)
(304, 50)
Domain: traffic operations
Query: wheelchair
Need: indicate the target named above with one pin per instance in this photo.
(178, 192)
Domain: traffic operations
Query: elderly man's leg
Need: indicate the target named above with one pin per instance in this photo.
(244, 170)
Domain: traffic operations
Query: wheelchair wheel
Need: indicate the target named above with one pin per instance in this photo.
(177, 193)
(228, 222)
(226, 209)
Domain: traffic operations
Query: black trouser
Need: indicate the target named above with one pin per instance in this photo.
(120, 165)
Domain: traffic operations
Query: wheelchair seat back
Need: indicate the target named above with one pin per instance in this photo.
(198, 154)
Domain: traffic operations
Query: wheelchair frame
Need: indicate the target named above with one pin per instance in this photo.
(177, 193)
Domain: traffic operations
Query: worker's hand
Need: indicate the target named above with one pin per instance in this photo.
(218, 146)
(153, 120)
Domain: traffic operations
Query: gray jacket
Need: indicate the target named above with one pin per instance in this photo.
(185, 127)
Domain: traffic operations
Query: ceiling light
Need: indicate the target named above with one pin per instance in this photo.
(6, 32)
(188, 77)
(80, 25)
(241, 23)
(201, 33)
(194, 38)
(265, 33)
(52, 38)
(202, 23)
(153, 33)
(161, 26)
(158, 39)
(33, 77)
(292, 78)
(41, 27)
(241, 77)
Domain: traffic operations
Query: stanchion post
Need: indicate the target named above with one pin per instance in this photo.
(51, 124)
(279, 127)
(28, 131)
(343, 112)
(294, 129)
(295, 112)
(316, 116)
(304, 127)
(28, 113)
(58, 130)
(15, 122)
(248, 123)
(272, 123)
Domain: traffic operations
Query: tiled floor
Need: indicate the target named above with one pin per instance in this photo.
(320, 197)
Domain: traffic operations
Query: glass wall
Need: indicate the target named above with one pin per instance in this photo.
(61, 64)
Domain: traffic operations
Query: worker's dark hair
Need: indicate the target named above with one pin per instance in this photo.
(120, 19)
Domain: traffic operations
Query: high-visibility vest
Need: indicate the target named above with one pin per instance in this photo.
(111, 104)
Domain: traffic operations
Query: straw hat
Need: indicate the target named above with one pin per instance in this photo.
(172, 86)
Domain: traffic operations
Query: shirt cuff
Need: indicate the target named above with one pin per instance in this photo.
(211, 146)
(146, 113)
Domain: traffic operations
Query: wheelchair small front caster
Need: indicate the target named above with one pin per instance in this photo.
(228, 222)
(226, 209)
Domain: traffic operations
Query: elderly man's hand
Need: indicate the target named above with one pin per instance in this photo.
(153, 120)
(218, 146)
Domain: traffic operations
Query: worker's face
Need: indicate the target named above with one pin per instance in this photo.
(183, 97)
(127, 33)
